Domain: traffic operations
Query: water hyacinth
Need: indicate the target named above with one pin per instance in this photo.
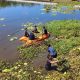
(64, 8)
(13, 38)
(43, 9)
(8, 35)
(24, 25)
(1, 19)
(3, 25)
(22, 29)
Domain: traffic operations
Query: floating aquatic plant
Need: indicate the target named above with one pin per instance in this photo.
(1, 19)
(13, 38)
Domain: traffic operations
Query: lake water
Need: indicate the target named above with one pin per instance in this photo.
(14, 15)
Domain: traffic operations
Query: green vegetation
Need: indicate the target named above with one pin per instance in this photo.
(65, 37)
(10, 3)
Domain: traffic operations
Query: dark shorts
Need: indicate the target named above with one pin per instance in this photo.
(54, 56)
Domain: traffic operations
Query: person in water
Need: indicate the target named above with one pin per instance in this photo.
(44, 31)
(52, 51)
(26, 33)
(31, 36)
(49, 62)
(35, 29)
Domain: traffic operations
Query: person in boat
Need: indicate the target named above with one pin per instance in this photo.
(49, 62)
(26, 33)
(35, 29)
(52, 51)
(44, 31)
(31, 36)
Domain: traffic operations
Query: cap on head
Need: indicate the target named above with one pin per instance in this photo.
(49, 45)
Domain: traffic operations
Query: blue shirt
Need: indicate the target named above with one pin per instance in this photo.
(51, 51)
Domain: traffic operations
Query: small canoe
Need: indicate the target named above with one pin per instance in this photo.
(29, 42)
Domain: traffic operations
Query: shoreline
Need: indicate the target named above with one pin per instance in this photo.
(35, 2)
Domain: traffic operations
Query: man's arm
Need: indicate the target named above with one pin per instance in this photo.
(54, 61)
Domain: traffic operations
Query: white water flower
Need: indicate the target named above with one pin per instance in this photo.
(35, 71)
(25, 64)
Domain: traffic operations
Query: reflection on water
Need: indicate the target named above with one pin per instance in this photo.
(13, 15)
